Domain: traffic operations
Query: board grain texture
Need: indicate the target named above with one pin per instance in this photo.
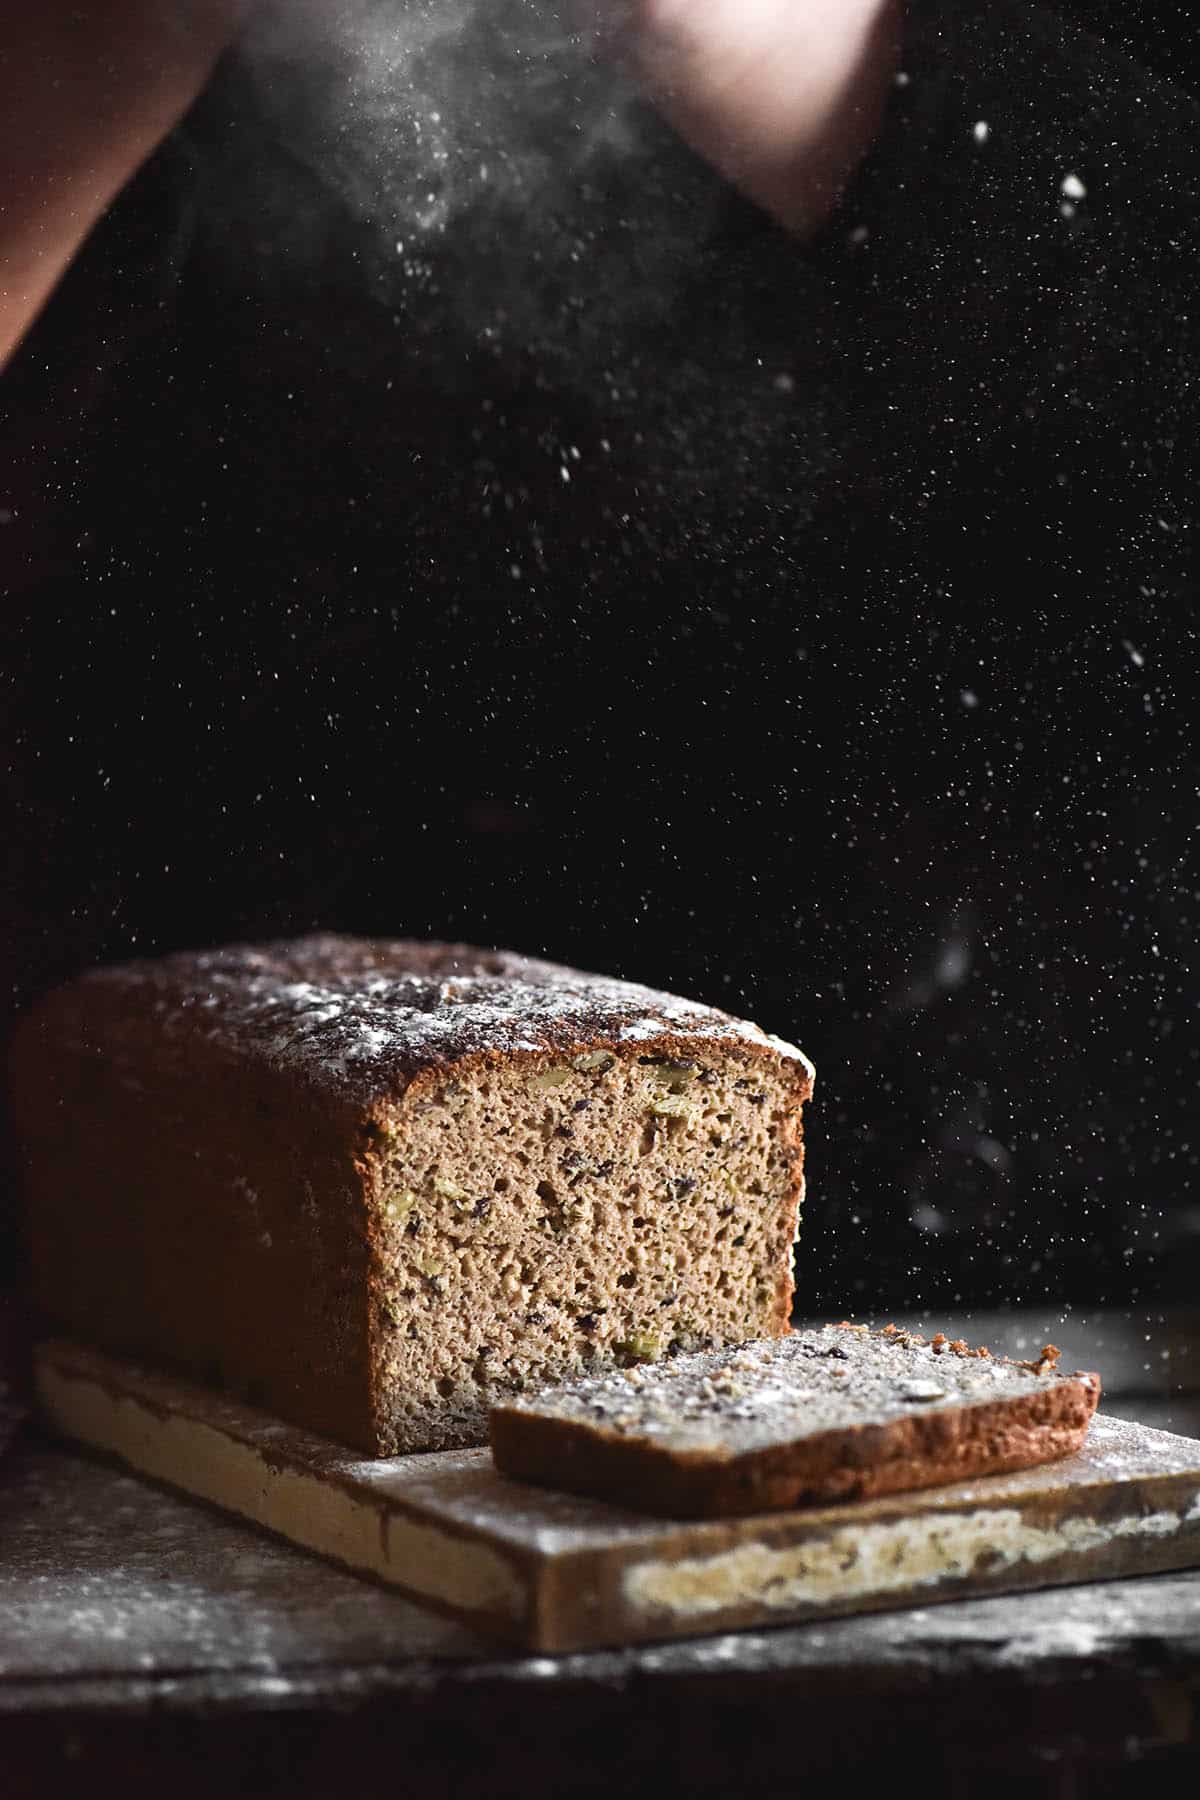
(555, 1573)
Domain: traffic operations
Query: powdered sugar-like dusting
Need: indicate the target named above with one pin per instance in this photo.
(366, 1015)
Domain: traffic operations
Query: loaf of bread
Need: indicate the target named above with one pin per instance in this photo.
(830, 1414)
(370, 1186)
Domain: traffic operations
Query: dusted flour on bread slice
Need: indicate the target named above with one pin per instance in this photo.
(829, 1414)
(371, 1186)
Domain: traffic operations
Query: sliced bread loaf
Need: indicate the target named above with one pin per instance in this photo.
(370, 1184)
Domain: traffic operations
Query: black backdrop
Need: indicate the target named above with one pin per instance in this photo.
(807, 629)
(1160, 33)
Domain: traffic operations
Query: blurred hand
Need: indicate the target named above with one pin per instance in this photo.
(784, 97)
(87, 89)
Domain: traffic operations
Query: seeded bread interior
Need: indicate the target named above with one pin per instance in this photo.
(543, 1219)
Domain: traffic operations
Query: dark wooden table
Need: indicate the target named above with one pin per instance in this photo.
(148, 1642)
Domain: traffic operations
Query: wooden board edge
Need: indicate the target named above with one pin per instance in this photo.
(458, 1575)
(632, 1592)
(1149, 1525)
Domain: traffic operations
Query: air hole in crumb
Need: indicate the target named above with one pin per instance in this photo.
(639, 1224)
(546, 1193)
(500, 1185)
(445, 1387)
(646, 1144)
(628, 1280)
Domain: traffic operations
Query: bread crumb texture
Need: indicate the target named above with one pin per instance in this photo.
(549, 1219)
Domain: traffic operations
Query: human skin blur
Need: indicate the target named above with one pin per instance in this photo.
(87, 90)
(783, 97)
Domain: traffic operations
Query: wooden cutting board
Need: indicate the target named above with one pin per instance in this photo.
(552, 1572)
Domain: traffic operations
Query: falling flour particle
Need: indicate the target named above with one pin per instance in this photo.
(1073, 188)
(982, 131)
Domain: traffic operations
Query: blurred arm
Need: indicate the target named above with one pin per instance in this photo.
(784, 97)
(87, 90)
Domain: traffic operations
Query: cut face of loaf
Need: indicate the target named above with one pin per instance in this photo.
(373, 1186)
(556, 1215)
(828, 1414)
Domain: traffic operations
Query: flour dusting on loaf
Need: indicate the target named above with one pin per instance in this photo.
(372, 1185)
(368, 1013)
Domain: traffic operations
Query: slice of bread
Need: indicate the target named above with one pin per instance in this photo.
(835, 1413)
